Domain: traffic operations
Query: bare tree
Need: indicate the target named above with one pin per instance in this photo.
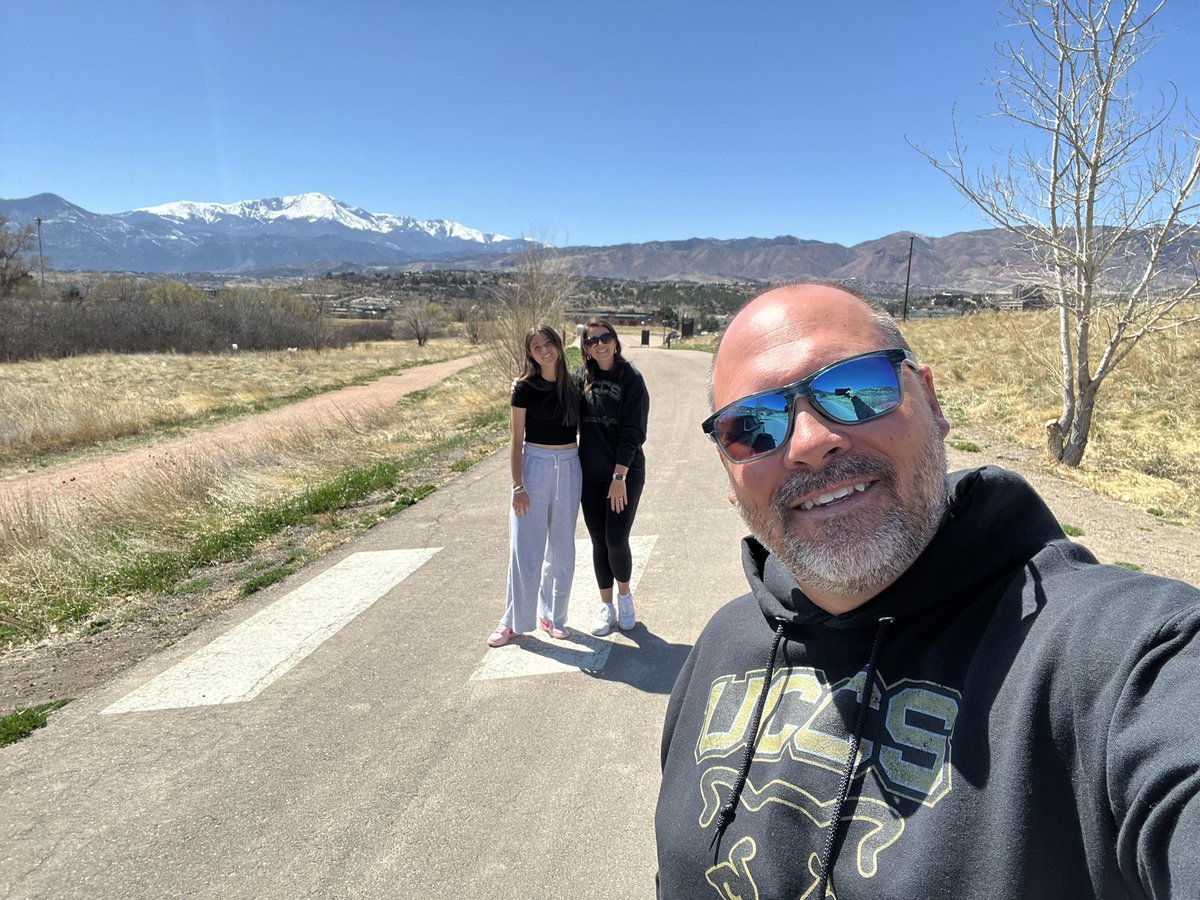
(1103, 192)
(537, 291)
(420, 318)
(14, 265)
(475, 324)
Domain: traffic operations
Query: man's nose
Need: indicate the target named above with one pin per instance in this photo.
(814, 438)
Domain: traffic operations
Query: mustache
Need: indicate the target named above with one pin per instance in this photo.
(850, 467)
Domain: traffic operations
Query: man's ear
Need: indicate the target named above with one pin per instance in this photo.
(732, 498)
(939, 418)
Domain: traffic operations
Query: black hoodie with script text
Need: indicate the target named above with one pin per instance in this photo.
(1031, 729)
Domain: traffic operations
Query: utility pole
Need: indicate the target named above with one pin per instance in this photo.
(907, 275)
(41, 258)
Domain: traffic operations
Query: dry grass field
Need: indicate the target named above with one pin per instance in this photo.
(83, 404)
(997, 376)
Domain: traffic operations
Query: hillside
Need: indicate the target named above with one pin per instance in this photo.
(311, 234)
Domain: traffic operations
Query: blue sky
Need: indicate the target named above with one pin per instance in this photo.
(581, 123)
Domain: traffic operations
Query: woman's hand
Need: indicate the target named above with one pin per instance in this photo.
(618, 496)
(520, 503)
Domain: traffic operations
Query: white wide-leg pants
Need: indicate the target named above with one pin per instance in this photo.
(542, 563)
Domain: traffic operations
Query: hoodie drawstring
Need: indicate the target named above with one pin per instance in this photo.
(848, 769)
(727, 811)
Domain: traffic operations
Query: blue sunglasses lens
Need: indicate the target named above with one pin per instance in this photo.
(753, 427)
(856, 391)
(851, 392)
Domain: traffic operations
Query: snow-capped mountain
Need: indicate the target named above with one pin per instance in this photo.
(296, 231)
(312, 209)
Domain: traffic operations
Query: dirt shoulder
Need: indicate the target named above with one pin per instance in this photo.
(1115, 532)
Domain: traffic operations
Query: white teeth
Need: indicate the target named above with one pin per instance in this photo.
(836, 495)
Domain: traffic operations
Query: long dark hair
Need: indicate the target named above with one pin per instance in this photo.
(564, 384)
(590, 368)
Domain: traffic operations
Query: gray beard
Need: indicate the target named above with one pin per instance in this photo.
(855, 554)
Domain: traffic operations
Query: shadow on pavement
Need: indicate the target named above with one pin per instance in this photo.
(651, 666)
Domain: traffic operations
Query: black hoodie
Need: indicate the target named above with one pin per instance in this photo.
(1031, 732)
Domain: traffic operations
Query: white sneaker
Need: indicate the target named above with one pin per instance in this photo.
(605, 620)
(626, 617)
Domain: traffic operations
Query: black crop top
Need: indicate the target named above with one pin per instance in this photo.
(543, 414)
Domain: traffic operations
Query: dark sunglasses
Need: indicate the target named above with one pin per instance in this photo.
(850, 391)
(606, 338)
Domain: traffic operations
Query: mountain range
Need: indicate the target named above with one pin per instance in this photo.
(250, 236)
(309, 234)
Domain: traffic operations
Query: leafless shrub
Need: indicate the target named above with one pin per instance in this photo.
(419, 319)
(537, 291)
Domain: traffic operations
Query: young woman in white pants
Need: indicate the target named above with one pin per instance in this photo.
(547, 480)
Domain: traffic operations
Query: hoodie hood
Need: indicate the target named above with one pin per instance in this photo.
(982, 505)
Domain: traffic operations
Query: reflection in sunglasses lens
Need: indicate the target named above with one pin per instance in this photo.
(852, 392)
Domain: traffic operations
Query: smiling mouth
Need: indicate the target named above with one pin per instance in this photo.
(825, 499)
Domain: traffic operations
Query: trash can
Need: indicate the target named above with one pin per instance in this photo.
(645, 337)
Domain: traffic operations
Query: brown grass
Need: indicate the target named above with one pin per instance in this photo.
(997, 375)
(52, 407)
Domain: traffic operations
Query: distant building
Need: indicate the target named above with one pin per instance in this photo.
(619, 319)
(362, 308)
(1025, 297)
(949, 298)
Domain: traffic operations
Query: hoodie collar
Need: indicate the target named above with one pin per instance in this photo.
(983, 506)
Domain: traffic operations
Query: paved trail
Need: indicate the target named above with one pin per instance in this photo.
(347, 734)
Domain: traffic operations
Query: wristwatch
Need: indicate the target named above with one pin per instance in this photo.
(617, 476)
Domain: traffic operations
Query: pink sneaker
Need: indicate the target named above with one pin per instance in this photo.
(559, 634)
(501, 636)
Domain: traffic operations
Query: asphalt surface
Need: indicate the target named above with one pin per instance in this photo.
(388, 752)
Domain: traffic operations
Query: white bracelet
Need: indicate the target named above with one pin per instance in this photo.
(518, 488)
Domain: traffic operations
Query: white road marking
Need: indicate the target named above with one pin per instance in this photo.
(539, 654)
(241, 663)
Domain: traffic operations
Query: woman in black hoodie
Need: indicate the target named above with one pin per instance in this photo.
(612, 429)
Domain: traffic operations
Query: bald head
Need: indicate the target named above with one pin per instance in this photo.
(801, 312)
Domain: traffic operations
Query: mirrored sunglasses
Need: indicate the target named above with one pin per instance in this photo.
(605, 338)
(850, 391)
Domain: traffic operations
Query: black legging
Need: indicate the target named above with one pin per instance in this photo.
(611, 557)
